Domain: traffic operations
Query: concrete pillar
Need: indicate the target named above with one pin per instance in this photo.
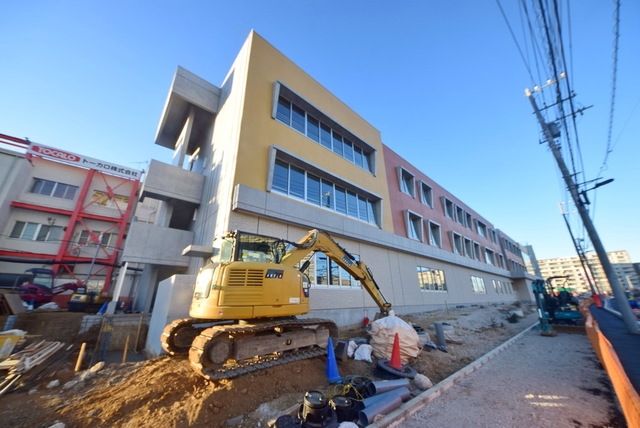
(146, 286)
(180, 150)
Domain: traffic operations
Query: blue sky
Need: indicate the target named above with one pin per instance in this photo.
(441, 80)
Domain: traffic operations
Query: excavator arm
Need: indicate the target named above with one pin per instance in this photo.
(317, 240)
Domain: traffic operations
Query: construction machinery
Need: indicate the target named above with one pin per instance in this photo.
(43, 286)
(245, 303)
(554, 308)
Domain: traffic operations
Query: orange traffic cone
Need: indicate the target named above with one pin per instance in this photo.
(395, 361)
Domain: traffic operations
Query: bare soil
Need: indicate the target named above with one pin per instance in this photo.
(166, 392)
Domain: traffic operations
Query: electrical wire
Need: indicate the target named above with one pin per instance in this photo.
(515, 40)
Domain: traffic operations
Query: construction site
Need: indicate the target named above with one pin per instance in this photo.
(270, 260)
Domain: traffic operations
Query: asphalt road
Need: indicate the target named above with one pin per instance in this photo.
(537, 382)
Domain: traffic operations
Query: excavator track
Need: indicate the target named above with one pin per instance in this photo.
(218, 340)
(177, 337)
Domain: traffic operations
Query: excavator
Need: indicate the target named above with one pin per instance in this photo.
(246, 299)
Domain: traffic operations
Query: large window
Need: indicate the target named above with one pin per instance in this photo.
(324, 271)
(478, 285)
(434, 235)
(431, 279)
(426, 194)
(448, 208)
(502, 287)
(489, 256)
(482, 229)
(301, 120)
(407, 182)
(294, 181)
(36, 231)
(414, 226)
(53, 188)
(93, 238)
(458, 247)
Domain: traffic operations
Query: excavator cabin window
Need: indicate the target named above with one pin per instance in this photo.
(255, 248)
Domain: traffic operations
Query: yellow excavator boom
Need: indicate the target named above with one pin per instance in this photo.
(317, 240)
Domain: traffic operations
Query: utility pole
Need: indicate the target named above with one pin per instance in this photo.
(551, 132)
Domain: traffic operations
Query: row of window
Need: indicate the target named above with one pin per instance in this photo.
(53, 188)
(32, 231)
(415, 230)
(36, 232)
(463, 217)
(511, 247)
(502, 287)
(297, 118)
(297, 182)
(431, 279)
(324, 271)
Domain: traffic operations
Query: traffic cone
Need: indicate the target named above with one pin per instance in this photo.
(333, 375)
(395, 361)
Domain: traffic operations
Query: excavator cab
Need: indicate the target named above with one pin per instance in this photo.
(244, 279)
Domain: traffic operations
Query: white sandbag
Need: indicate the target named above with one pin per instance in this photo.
(383, 332)
(363, 353)
(351, 348)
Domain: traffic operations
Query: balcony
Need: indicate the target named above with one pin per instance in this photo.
(149, 243)
(170, 183)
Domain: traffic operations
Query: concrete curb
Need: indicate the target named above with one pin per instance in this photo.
(395, 418)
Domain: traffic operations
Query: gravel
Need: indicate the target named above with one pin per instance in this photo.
(537, 382)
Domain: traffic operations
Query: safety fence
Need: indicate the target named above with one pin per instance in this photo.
(626, 393)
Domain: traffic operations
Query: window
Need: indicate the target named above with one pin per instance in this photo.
(298, 119)
(492, 236)
(426, 195)
(448, 208)
(313, 129)
(501, 260)
(476, 251)
(31, 231)
(325, 136)
(94, 237)
(115, 201)
(348, 150)
(478, 285)
(406, 182)
(340, 142)
(414, 226)
(431, 279)
(482, 229)
(313, 189)
(295, 181)
(459, 215)
(434, 235)
(53, 188)
(337, 144)
(328, 272)
(468, 248)
(469, 222)
(489, 255)
(283, 113)
(327, 194)
(457, 244)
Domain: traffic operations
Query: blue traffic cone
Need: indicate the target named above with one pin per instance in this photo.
(333, 375)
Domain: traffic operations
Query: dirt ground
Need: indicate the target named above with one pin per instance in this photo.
(166, 392)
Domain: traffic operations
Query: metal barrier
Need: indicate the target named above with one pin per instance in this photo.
(625, 392)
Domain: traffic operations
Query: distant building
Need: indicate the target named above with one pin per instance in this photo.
(575, 274)
(64, 211)
(271, 151)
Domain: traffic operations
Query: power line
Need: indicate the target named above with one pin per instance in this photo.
(614, 74)
(515, 40)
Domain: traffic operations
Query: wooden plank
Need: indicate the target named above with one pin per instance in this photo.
(14, 302)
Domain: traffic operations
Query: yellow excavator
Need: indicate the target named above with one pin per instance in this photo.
(246, 297)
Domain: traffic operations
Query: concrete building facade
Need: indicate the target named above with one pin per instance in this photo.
(571, 268)
(65, 212)
(271, 151)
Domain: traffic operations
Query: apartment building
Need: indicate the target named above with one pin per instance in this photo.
(65, 212)
(271, 151)
(570, 272)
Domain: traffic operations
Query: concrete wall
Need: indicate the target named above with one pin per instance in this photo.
(165, 182)
(148, 243)
(172, 302)
(13, 169)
